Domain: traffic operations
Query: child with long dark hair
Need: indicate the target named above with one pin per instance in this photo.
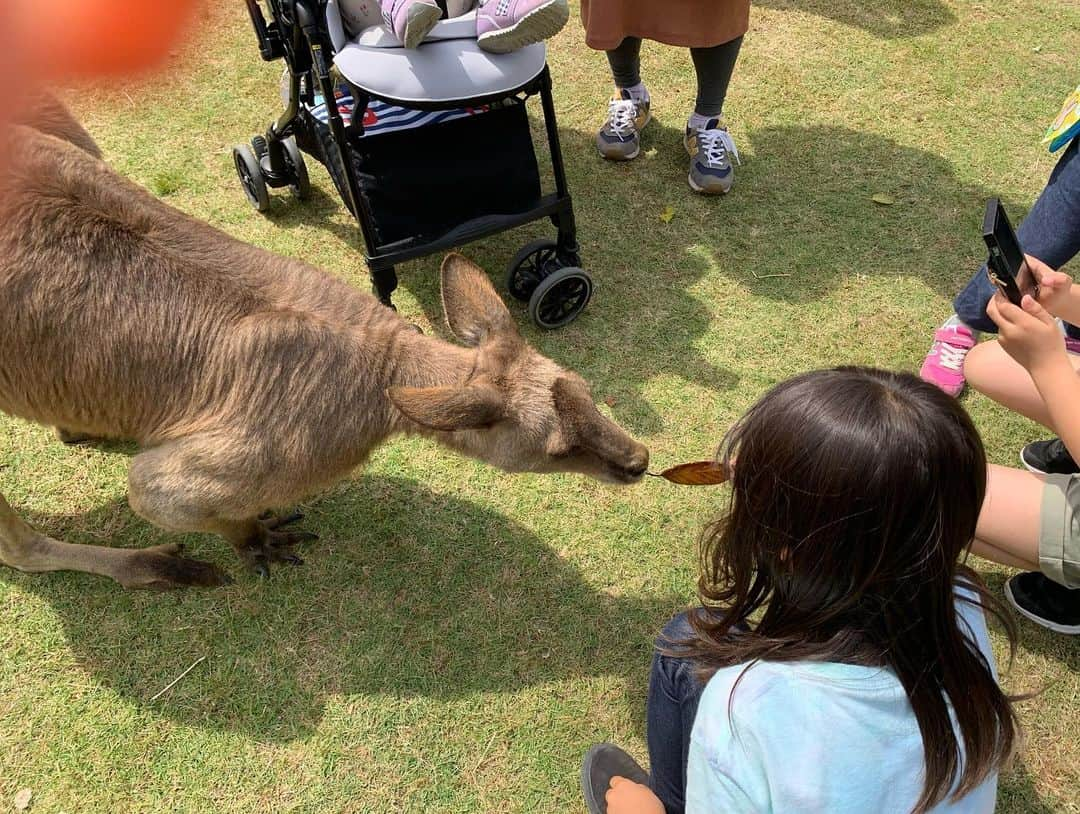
(840, 660)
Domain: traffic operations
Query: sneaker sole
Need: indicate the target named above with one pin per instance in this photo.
(1029, 467)
(1068, 630)
(536, 26)
(702, 190)
(418, 24)
(620, 156)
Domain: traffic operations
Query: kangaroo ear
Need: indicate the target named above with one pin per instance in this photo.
(473, 309)
(450, 408)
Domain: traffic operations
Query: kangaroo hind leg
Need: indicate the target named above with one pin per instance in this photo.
(159, 567)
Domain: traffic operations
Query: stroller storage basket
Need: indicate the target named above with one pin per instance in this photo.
(421, 183)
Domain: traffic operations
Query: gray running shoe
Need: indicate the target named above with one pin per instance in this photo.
(711, 149)
(620, 137)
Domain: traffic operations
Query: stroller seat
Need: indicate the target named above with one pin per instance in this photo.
(448, 66)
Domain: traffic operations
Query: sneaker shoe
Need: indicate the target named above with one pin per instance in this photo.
(507, 25)
(1048, 458)
(944, 364)
(620, 137)
(410, 20)
(1044, 602)
(603, 762)
(711, 149)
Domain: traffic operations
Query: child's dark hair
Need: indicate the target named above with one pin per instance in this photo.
(855, 492)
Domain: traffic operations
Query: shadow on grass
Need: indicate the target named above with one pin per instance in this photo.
(888, 19)
(1017, 794)
(410, 593)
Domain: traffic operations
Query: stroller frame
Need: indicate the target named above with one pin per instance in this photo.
(298, 33)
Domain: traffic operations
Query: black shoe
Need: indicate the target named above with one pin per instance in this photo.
(603, 762)
(1048, 458)
(1045, 602)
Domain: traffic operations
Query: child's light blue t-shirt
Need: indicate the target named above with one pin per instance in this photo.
(810, 738)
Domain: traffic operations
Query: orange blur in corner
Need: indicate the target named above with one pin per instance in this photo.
(78, 39)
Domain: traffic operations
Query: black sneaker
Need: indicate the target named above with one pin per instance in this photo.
(603, 762)
(1045, 602)
(1048, 458)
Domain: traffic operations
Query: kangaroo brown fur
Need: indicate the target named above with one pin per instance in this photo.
(248, 380)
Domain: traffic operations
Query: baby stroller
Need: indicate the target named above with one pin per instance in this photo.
(429, 148)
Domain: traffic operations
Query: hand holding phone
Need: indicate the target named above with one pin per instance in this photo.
(1006, 266)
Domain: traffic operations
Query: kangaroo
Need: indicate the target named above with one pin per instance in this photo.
(248, 380)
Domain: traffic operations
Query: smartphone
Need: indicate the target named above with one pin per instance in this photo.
(1005, 266)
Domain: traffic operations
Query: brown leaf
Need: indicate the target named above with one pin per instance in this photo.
(699, 473)
(610, 401)
(22, 800)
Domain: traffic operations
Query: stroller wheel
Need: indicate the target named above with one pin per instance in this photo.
(301, 186)
(560, 297)
(529, 266)
(251, 177)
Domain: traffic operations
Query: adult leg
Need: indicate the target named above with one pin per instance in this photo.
(714, 67)
(672, 705)
(625, 61)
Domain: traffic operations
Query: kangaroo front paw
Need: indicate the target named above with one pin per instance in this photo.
(164, 567)
(269, 545)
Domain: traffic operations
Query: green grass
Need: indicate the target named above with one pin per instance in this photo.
(459, 637)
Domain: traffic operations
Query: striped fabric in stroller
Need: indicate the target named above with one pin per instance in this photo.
(381, 117)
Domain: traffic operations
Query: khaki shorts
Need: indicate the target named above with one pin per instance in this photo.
(1059, 530)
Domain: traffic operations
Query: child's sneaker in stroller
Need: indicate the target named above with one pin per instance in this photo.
(410, 20)
(507, 25)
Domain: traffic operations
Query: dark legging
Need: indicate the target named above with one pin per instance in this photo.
(714, 67)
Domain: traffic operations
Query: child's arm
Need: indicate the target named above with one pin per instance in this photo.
(627, 797)
(1031, 337)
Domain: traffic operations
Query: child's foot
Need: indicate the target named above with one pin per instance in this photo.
(1047, 458)
(410, 20)
(507, 25)
(944, 364)
(711, 149)
(620, 137)
(603, 762)
(1045, 602)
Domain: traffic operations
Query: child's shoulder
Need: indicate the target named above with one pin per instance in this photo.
(758, 698)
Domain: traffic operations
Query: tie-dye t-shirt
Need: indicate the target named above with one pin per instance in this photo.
(806, 737)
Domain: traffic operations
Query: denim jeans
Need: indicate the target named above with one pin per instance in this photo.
(1050, 232)
(670, 711)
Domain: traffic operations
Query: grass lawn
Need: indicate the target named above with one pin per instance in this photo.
(459, 637)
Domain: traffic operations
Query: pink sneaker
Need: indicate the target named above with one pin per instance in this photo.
(944, 364)
(410, 20)
(506, 25)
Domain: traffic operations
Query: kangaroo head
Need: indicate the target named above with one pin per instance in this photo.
(517, 409)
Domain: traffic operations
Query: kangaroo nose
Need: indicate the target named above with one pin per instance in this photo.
(637, 464)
